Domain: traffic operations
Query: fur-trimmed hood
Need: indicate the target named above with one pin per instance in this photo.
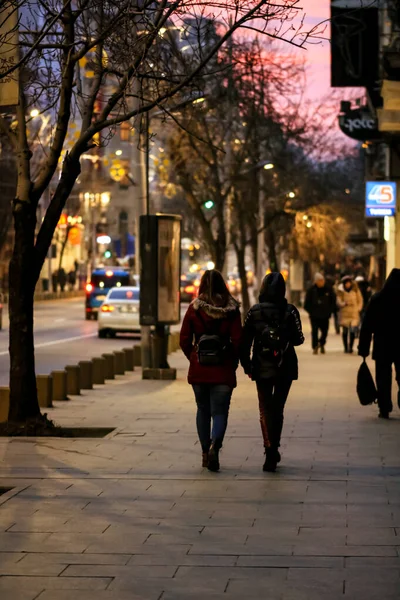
(216, 312)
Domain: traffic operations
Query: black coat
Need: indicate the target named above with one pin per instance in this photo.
(320, 303)
(256, 320)
(382, 321)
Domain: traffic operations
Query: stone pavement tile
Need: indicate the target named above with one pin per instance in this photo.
(327, 492)
(266, 547)
(131, 547)
(19, 594)
(143, 586)
(23, 568)
(320, 515)
(377, 536)
(98, 595)
(53, 583)
(179, 560)
(10, 557)
(38, 559)
(373, 574)
(115, 571)
(368, 590)
(316, 562)
(229, 573)
(322, 575)
(371, 562)
(21, 542)
(336, 536)
(327, 549)
(286, 590)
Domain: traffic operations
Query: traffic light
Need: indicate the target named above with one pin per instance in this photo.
(107, 254)
(209, 204)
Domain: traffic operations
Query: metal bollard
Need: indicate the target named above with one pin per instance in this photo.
(99, 370)
(73, 380)
(119, 362)
(109, 371)
(129, 359)
(86, 368)
(137, 355)
(44, 384)
(4, 403)
(59, 385)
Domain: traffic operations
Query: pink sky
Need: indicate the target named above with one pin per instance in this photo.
(317, 55)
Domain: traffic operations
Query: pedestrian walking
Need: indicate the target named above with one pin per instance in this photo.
(382, 321)
(320, 304)
(210, 339)
(350, 303)
(271, 330)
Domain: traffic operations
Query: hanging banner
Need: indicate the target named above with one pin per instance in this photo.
(9, 54)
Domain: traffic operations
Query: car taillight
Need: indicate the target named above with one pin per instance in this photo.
(190, 289)
(89, 287)
(107, 308)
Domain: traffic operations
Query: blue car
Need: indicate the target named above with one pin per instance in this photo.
(101, 282)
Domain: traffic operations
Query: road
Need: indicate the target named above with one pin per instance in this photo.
(62, 336)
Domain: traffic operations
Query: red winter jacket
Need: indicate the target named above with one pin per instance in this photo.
(193, 327)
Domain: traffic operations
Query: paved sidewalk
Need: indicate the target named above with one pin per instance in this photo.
(133, 516)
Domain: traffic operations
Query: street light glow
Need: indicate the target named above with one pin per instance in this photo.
(199, 100)
(268, 166)
(291, 194)
(35, 113)
(118, 152)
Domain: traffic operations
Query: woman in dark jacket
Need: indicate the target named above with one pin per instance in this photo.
(213, 313)
(382, 320)
(272, 328)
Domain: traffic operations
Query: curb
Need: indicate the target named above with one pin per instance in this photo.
(58, 385)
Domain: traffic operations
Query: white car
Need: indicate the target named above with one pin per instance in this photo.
(119, 312)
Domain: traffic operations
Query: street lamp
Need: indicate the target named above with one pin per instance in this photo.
(268, 166)
(35, 113)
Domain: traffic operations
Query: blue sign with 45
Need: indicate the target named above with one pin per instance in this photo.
(380, 199)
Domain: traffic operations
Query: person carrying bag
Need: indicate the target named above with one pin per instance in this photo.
(272, 328)
(210, 339)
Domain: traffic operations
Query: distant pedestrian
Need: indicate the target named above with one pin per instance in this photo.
(62, 278)
(382, 321)
(210, 339)
(350, 303)
(272, 329)
(320, 304)
(72, 279)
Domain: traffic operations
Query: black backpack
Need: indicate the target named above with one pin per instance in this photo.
(210, 346)
(273, 339)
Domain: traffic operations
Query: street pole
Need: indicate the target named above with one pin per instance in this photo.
(145, 329)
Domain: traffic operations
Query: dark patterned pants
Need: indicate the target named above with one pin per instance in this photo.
(272, 396)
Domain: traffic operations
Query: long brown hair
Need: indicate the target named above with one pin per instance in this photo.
(213, 289)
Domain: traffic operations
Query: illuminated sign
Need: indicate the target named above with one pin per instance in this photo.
(380, 199)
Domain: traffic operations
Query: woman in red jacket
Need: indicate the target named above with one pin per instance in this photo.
(210, 339)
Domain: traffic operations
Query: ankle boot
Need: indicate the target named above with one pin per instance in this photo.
(271, 460)
(213, 456)
(204, 459)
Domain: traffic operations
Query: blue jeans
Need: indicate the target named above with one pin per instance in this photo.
(213, 402)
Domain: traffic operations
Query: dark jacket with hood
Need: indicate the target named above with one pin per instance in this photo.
(202, 318)
(382, 320)
(272, 306)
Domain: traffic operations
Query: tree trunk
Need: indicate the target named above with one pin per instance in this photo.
(63, 246)
(240, 253)
(23, 394)
(271, 243)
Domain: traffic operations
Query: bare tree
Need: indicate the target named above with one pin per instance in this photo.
(99, 62)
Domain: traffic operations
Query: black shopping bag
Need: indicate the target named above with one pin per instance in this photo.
(366, 389)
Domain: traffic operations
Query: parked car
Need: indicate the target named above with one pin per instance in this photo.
(97, 288)
(189, 286)
(120, 312)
